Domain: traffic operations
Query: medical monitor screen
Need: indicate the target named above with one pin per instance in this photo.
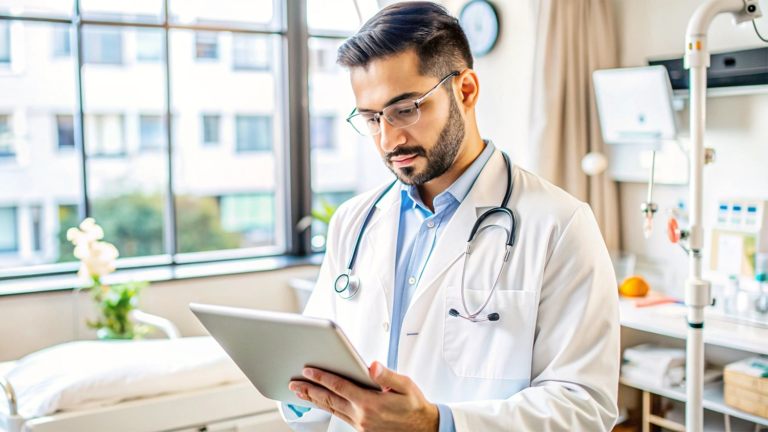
(635, 105)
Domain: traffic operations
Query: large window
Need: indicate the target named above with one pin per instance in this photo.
(190, 122)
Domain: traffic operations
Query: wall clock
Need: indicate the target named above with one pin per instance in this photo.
(481, 25)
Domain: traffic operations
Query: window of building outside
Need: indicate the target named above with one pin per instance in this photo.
(6, 136)
(152, 132)
(102, 45)
(5, 42)
(150, 45)
(207, 45)
(211, 130)
(60, 41)
(251, 52)
(8, 229)
(65, 128)
(35, 213)
(321, 130)
(254, 133)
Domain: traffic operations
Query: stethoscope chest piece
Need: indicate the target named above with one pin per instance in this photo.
(347, 285)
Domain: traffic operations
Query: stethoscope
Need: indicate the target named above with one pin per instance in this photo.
(348, 285)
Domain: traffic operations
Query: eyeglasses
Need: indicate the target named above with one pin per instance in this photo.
(400, 114)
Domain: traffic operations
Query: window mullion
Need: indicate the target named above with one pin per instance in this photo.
(297, 163)
(169, 221)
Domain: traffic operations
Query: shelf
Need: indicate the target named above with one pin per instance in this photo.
(713, 398)
(726, 91)
(670, 320)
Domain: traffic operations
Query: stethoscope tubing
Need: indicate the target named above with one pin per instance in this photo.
(476, 229)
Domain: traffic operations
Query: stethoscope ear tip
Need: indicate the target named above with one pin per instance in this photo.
(453, 313)
(493, 317)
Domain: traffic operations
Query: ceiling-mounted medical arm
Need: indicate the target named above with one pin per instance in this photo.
(698, 291)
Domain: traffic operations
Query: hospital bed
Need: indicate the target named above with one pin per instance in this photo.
(175, 384)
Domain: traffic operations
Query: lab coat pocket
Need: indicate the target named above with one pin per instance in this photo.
(491, 349)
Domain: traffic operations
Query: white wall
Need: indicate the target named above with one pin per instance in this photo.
(31, 322)
(736, 126)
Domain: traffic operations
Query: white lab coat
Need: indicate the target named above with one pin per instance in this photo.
(551, 362)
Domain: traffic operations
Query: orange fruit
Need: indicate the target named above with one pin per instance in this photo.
(634, 286)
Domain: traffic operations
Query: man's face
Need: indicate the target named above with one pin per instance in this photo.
(426, 150)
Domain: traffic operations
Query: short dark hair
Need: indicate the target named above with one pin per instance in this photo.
(423, 26)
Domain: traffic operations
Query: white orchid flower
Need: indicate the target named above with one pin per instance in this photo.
(97, 257)
(87, 233)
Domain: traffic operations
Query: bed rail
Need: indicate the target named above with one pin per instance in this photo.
(10, 395)
(160, 323)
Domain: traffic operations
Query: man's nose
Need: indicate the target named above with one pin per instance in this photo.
(391, 137)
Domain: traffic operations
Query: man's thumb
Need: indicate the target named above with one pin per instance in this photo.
(387, 378)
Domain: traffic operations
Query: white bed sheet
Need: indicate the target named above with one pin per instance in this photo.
(88, 374)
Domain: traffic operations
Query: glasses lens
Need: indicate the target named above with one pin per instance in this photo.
(402, 114)
(365, 124)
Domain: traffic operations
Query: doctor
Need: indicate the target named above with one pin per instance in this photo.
(543, 354)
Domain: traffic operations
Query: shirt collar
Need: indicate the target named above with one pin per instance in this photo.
(458, 190)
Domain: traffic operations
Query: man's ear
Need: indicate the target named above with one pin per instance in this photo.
(469, 89)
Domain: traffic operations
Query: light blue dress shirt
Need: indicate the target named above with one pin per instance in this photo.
(416, 239)
(417, 235)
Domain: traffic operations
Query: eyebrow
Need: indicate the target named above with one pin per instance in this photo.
(395, 99)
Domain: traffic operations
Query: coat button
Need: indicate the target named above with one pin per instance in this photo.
(386, 326)
(431, 224)
(412, 280)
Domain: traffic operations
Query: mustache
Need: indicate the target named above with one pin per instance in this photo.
(405, 150)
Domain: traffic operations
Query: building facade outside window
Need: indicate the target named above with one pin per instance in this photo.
(254, 133)
(225, 179)
(207, 45)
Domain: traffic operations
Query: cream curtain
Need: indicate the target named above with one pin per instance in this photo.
(573, 39)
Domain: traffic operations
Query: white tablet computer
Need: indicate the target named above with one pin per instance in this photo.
(272, 348)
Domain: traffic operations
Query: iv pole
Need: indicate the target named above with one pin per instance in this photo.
(697, 290)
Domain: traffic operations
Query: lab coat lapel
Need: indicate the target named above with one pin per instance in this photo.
(488, 191)
(381, 236)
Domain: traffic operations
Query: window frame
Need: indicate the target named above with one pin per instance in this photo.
(292, 200)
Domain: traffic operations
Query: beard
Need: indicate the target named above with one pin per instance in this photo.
(439, 158)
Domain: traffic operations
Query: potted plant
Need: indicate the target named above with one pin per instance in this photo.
(114, 302)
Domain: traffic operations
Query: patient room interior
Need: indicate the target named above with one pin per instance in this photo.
(235, 210)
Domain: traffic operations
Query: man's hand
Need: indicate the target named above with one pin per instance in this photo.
(400, 406)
